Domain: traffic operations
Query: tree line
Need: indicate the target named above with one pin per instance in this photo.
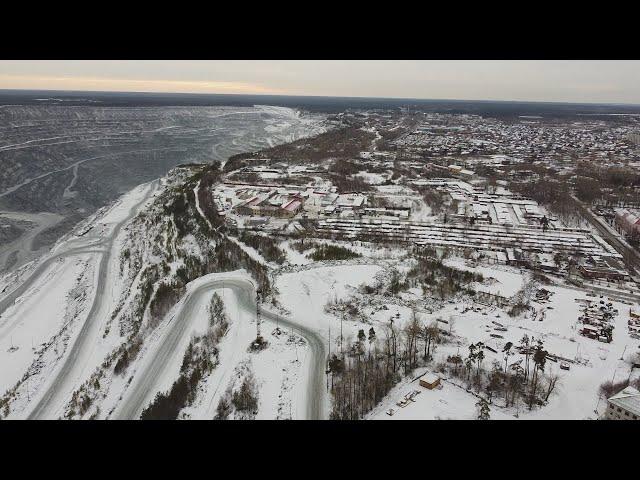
(363, 373)
(199, 360)
(524, 382)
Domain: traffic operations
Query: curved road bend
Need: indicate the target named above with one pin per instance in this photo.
(137, 395)
(62, 382)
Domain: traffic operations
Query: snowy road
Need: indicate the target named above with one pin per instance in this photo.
(138, 394)
(9, 299)
(62, 383)
(20, 251)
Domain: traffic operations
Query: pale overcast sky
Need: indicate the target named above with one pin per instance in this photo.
(554, 81)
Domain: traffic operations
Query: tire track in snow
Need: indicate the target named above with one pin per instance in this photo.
(62, 383)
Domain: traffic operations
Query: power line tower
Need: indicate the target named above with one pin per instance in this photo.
(259, 343)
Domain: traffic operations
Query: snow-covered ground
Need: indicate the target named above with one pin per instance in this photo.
(69, 319)
(373, 178)
(35, 319)
(505, 281)
(53, 311)
(576, 396)
(282, 369)
(308, 289)
(449, 403)
(277, 370)
(305, 293)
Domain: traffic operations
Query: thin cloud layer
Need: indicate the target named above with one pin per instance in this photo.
(554, 81)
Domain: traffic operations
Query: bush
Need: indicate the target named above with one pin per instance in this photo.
(246, 398)
(129, 353)
(198, 361)
(167, 406)
(332, 252)
(434, 275)
(517, 309)
(609, 388)
(167, 295)
(267, 247)
(224, 406)
(345, 167)
(303, 246)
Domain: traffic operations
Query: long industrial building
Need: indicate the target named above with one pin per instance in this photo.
(480, 237)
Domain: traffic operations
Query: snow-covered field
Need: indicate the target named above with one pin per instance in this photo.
(38, 331)
(449, 403)
(506, 281)
(307, 291)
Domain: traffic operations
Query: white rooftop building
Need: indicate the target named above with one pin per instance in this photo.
(624, 405)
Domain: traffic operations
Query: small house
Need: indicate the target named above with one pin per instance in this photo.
(430, 381)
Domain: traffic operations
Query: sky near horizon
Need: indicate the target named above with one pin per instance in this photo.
(590, 81)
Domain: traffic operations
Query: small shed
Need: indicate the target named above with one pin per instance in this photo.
(430, 381)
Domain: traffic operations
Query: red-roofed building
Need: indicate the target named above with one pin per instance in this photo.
(628, 222)
(273, 205)
(293, 206)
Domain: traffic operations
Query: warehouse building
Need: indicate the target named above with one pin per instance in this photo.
(627, 221)
(275, 204)
(604, 267)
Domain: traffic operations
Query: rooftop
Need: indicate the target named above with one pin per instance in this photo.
(430, 377)
(628, 399)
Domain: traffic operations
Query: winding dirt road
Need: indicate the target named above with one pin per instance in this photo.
(138, 394)
(62, 383)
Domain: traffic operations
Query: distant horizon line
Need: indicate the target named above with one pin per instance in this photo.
(201, 94)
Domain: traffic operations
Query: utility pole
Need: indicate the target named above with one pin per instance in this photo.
(622, 356)
(341, 317)
(258, 337)
(271, 286)
(595, 410)
(328, 369)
